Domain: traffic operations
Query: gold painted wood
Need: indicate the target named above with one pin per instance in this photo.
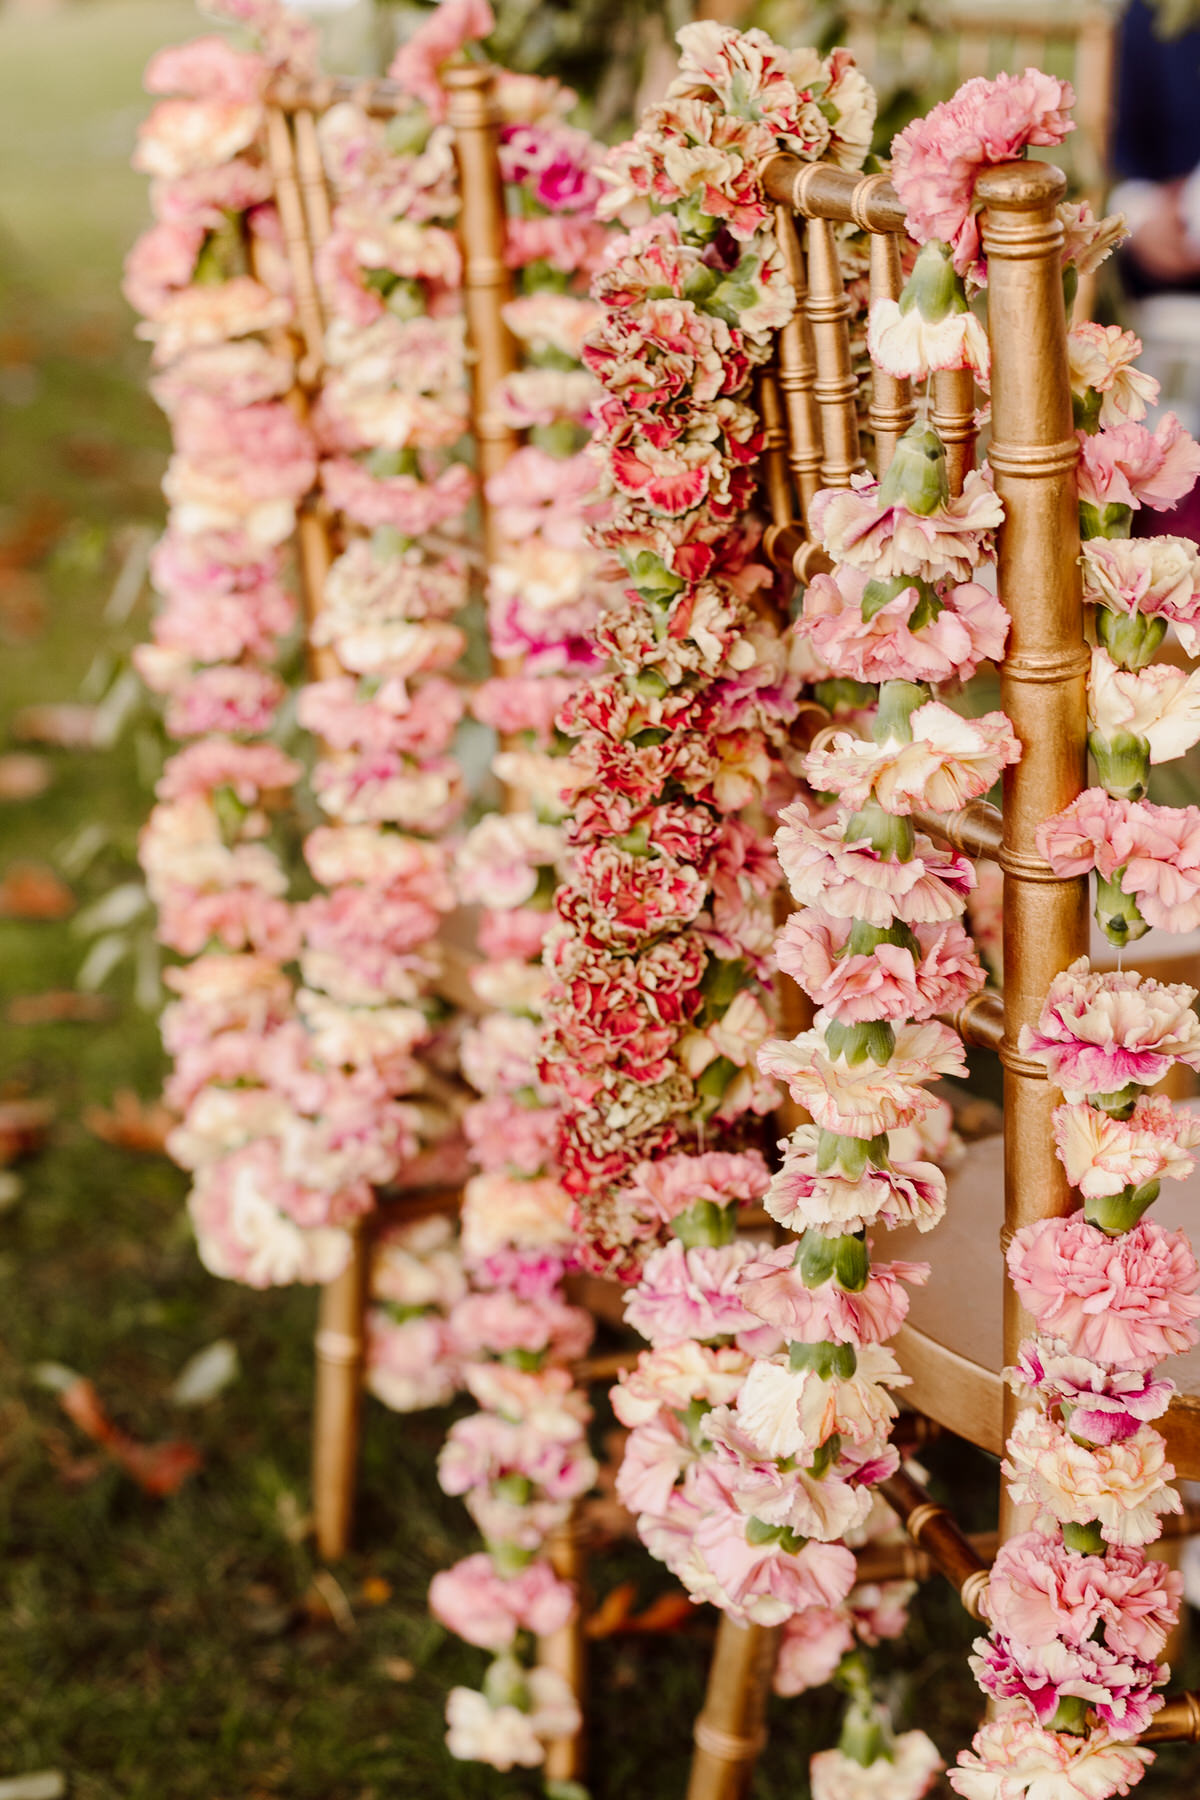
(281, 152)
(340, 1354)
(731, 1729)
(1043, 676)
(798, 373)
(827, 307)
(892, 409)
(934, 1529)
(953, 418)
(565, 1651)
(819, 190)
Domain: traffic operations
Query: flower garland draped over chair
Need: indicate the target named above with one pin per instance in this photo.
(1078, 1615)
(270, 1200)
(522, 1460)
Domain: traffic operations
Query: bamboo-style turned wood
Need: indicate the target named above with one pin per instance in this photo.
(731, 1730)
(337, 1413)
(565, 1650)
(487, 284)
(934, 1529)
(281, 152)
(797, 375)
(1176, 1722)
(375, 94)
(828, 308)
(816, 190)
(953, 418)
(1044, 672)
(892, 409)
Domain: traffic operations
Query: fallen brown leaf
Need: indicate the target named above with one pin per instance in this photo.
(22, 606)
(31, 890)
(131, 1123)
(66, 725)
(24, 1125)
(159, 1469)
(59, 1006)
(24, 777)
(375, 1591)
(615, 1617)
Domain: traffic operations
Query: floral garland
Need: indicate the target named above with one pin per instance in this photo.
(271, 1194)
(1078, 1615)
(880, 949)
(390, 419)
(659, 999)
(523, 1459)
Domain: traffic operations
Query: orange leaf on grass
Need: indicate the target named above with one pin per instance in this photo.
(59, 1006)
(30, 890)
(131, 1124)
(159, 1469)
(615, 1616)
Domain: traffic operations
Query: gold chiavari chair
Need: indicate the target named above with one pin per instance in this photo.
(966, 1324)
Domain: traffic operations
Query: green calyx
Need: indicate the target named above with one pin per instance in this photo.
(917, 478)
(840, 692)
(1070, 1716)
(705, 1223)
(880, 592)
(849, 1157)
(898, 701)
(865, 939)
(825, 1359)
(1115, 1213)
(1117, 913)
(934, 287)
(758, 1531)
(1111, 521)
(842, 1259)
(1088, 1539)
(1120, 1103)
(1122, 764)
(889, 835)
(1131, 639)
(872, 1039)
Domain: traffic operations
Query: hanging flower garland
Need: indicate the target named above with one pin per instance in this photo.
(523, 1459)
(880, 949)
(1079, 1617)
(271, 1195)
(660, 965)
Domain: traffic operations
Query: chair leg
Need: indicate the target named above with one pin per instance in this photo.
(565, 1652)
(731, 1730)
(340, 1350)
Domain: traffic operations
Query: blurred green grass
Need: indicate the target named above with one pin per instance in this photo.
(176, 1649)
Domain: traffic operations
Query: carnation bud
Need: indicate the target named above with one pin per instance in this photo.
(917, 476)
(872, 1038)
(505, 1684)
(705, 1223)
(826, 1359)
(1087, 1539)
(898, 701)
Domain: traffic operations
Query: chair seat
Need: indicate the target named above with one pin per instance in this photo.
(952, 1341)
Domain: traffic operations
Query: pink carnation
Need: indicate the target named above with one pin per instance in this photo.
(1106, 1406)
(890, 540)
(1130, 465)
(1013, 1758)
(1098, 1032)
(691, 1293)
(937, 160)
(774, 1289)
(488, 1609)
(207, 68)
(971, 625)
(1103, 1155)
(1128, 1301)
(948, 761)
(417, 65)
(1040, 1591)
(1118, 1689)
(852, 881)
(659, 1191)
(813, 1644)
(887, 983)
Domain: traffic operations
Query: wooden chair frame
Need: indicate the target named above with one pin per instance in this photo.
(809, 408)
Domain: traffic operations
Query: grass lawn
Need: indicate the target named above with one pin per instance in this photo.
(187, 1649)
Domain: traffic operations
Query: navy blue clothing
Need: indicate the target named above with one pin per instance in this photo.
(1157, 134)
